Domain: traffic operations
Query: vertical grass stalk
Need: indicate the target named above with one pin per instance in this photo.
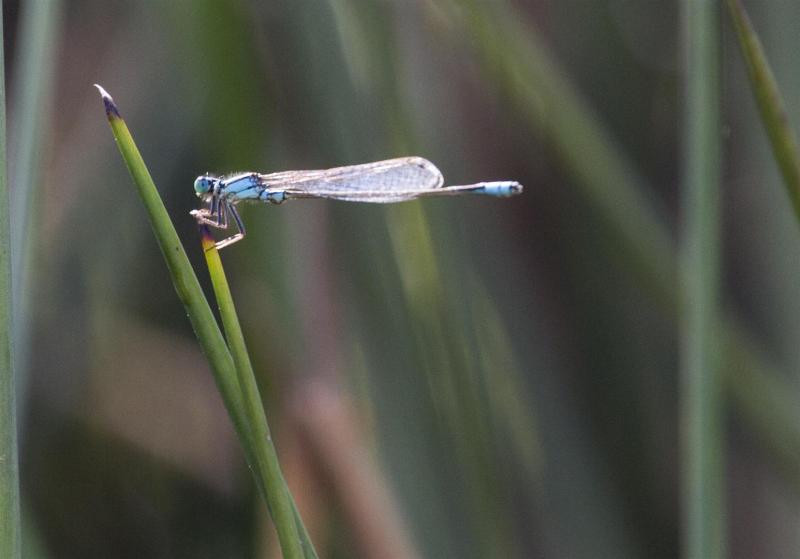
(9, 469)
(549, 102)
(31, 96)
(701, 394)
(266, 456)
(34, 73)
(208, 333)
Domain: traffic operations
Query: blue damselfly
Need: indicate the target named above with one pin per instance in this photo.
(393, 180)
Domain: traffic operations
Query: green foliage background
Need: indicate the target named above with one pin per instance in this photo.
(451, 378)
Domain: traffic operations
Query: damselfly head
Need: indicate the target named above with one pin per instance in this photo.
(204, 184)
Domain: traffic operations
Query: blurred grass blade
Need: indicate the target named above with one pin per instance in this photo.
(456, 373)
(701, 408)
(9, 471)
(39, 38)
(604, 176)
(770, 102)
(30, 123)
(507, 396)
(454, 386)
(283, 510)
(205, 327)
(766, 403)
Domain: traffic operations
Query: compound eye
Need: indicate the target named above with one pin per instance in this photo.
(202, 185)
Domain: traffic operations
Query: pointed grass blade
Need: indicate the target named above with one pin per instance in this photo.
(770, 102)
(208, 333)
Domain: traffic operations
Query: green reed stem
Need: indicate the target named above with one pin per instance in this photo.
(206, 329)
(266, 457)
(701, 394)
(9, 469)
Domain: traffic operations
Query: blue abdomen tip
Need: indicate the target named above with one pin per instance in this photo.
(502, 188)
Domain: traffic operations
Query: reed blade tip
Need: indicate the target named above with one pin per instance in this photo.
(108, 101)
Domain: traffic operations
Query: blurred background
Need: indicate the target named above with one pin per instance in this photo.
(460, 377)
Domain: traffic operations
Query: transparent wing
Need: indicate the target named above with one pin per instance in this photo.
(393, 180)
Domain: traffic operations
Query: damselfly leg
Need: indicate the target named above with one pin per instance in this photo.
(219, 219)
(226, 208)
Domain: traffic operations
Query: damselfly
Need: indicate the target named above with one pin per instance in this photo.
(393, 180)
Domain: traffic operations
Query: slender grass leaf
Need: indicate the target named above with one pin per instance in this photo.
(269, 480)
(267, 457)
(701, 406)
(770, 102)
(9, 470)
